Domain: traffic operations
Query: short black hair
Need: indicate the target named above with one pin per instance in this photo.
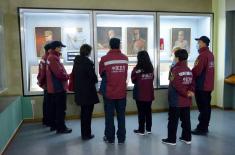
(114, 43)
(85, 50)
(182, 54)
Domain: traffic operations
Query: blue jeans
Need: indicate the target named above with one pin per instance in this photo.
(109, 106)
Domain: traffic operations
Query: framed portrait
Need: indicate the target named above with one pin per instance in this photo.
(181, 37)
(44, 35)
(74, 38)
(136, 40)
(104, 34)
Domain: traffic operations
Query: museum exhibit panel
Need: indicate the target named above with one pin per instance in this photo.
(136, 31)
(179, 30)
(40, 26)
(159, 33)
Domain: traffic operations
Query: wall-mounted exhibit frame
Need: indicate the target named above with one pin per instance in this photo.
(138, 30)
(179, 30)
(39, 26)
(135, 30)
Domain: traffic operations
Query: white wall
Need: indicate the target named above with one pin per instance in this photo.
(219, 49)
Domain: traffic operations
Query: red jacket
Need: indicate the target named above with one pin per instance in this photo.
(143, 89)
(42, 71)
(203, 70)
(56, 74)
(181, 81)
(115, 65)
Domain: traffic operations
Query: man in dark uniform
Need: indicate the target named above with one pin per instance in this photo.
(203, 73)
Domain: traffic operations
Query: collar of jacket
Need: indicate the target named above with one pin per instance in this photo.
(181, 63)
(55, 53)
(203, 49)
(115, 51)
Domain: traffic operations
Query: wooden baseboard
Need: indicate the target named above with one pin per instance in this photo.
(11, 138)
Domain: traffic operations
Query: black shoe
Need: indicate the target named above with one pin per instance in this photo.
(199, 132)
(121, 142)
(108, 141)
(168, 142)
(148, 132)
(66, 130)
(185, 141)
(52, 129)
(138, 132)
(88, 137)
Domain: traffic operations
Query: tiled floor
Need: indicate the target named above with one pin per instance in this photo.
(34, 139)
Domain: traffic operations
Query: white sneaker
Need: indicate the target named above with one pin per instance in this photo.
(166, 141)
(148, 132)
(185, 141)
(139, 133)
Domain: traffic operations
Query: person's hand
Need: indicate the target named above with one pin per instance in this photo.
(190, 94)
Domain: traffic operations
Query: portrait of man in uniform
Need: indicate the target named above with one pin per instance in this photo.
(136, 40)
(104, 34)
(44, 35)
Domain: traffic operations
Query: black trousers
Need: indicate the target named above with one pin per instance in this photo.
(45, 108)
(86, 116)
(203, 99)
(174, 114)
(57, 110)
(144, 115)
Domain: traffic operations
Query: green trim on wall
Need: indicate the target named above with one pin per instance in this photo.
(10, 119)
(26, 107)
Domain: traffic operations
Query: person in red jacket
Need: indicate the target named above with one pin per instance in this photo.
(142, 76)
(180, 94)
(57, 87)
(203, 72)
(41, 77)
(114, 65)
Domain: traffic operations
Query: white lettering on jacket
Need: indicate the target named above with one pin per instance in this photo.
(185, 73)
(211, 64)
(187, 80)
(146, 76)
(118, 69)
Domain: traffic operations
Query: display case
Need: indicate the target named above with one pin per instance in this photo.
(179, 30)
(156, 32)
(2, 56)
(136, 30)
(40, 26)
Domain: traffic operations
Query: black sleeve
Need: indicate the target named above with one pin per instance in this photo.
(91, 73)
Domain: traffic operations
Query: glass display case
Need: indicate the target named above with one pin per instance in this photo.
(40, 26)
(2, 56)
(179, 30)
(136, 30)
